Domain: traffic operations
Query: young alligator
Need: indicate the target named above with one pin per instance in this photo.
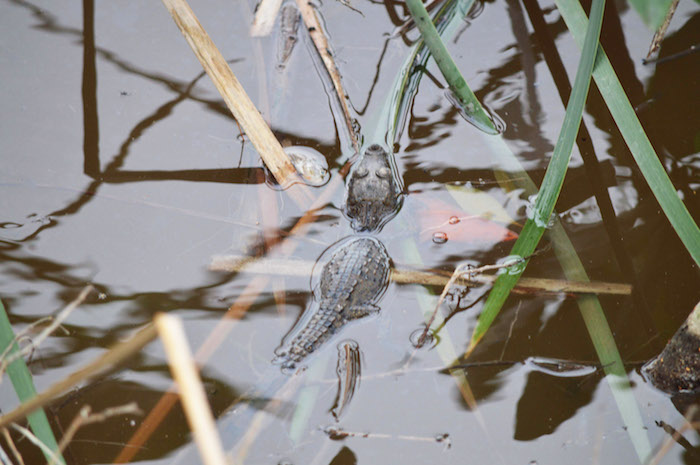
(373, 195)
(352, 282)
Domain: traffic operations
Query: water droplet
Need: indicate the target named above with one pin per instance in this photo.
(454, 220)
(440, 237)
(536, 215)
(515, 264)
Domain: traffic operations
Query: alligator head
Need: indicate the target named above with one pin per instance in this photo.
(372, 194)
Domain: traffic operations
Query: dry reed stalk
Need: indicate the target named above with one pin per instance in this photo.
(265, 17)
(292, 267)
(86, 417)
(313, 25)
(232, 92)
(192, 396)
(108, 360)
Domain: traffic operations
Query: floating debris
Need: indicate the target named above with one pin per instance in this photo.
(310, 164)
(560, 368)
(348, 371)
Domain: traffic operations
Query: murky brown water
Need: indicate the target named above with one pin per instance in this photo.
(122, 168)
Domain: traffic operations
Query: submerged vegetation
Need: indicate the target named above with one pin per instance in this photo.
(384, 131)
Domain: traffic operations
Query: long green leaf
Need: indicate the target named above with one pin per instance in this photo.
(634, 135)
(589, 306)
(553, 179)
(388, 120)
(467, 100)
(24, 386)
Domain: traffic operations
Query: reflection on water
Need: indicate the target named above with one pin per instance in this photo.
(124, 169)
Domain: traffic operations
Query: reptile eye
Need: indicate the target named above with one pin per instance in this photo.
(384, 173)
(361, 172)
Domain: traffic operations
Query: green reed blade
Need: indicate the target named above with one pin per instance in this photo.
(24, 386)
(553, 178)
(634, 135)
(589, 306)
(389, 119)
(468, 101)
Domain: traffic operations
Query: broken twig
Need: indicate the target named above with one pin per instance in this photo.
(60, 318)
(86, 417)
(313, 25)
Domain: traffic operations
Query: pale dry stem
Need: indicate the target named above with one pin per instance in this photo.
(192, 396)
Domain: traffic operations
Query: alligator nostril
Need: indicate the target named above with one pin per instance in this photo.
(374, 148)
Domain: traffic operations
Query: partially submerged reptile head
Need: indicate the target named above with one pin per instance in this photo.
(373, 194)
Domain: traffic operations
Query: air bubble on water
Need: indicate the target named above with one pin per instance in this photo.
(536, 216)
(440, 237)
(515, 264)
(454, 220)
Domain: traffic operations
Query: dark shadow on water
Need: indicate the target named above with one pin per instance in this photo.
(548, 401)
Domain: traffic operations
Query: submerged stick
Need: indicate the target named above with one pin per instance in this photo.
(192, 396)
(661, 32)
(313, 25)
(292, 267)
(232, 92)
(265, 17)
(106, 361)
